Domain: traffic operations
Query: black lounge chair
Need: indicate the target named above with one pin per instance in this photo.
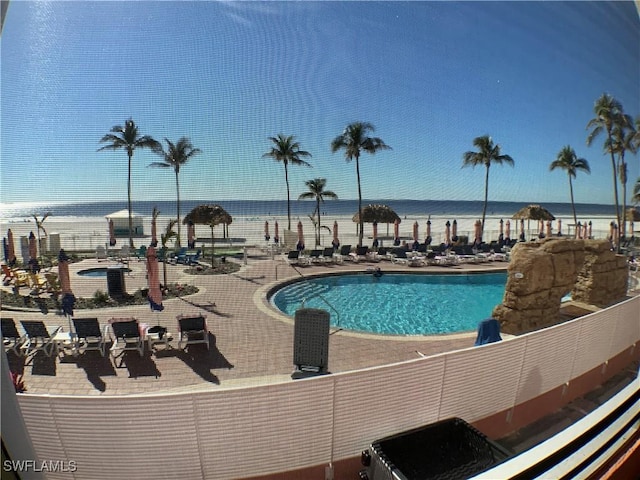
(11, 339)
(192, 330)
(89, 335)
(126, 336)
(38, 337)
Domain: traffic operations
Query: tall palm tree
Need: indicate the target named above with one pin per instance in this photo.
(286, 150)
(40, 226)
(568, 161)
(127, 138)
(622, 141)
(487, 153)
(607, 110)
(355, 140)
(174, 157)
(317, 192)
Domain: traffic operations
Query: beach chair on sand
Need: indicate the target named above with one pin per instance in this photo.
(38, 337)
(89, 335)
(126, 336)
(11, 339)
(193, 329)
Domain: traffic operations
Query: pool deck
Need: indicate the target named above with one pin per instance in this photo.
(251, 343)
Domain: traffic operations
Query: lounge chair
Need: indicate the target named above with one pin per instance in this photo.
(327, 255)
(89, 336)
(399, 255)
(180, 256)
(38, 337)
(360, 254)
(124, 254)
(11, 339)
(101, 253)
(343, 254)
(314, 256)
(194, 259)
(126, 336)
(193, 329)
(141, 253)
(19, 278)
(293, 257)
(37, 283)
(53, 282)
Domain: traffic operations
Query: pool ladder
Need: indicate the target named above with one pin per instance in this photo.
(324, 300)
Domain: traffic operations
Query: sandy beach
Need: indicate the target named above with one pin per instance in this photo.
(87, 233)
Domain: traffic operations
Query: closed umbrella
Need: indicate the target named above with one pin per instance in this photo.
(611, 230)
(112, 234)
(11, 249)
(428, 239)
(507, 230)
(454, 231)
(154, 232)
(478, 233)
(559, 227)
(267, 237)
(579, 230)
(300, 245)
(276, 236)
(548, 228)
(191, 235)
(522, 234)
(415, 235)
(33, 254)
(68, 299)
(335, 242)
(447, 234)
(585, 230)
(375, 235)
(153, 280)
(541, 228)
(396, 232)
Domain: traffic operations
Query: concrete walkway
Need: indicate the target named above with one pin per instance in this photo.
(251, 343)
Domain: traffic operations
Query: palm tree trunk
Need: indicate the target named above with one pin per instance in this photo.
(615, 194)
(360, 219)
(212, 244)
(573, 207)
(286, 178)
(178, 208)
(623, 180)
(130, 154)
(318, 213)
(486, 198)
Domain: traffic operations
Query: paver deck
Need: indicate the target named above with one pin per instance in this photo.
(251, 343)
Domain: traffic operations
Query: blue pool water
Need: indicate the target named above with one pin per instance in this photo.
(98, 272)
(399, 304)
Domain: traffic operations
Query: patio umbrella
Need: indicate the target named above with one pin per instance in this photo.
(154, 232)
(191, 235)
(396, 232)
(428, 239)
(541, 229)
(611, 230)
(335, 242)
(375, 235)
(276, 236)
(587, 230)
(300, 245)
(501, 228)
(112, 234)
(559, 227)
(11, 250)
(507, 230)
(522, 234)
(153, 280)
(478, 233)
(447, 234)
(68, 299)
(454, 230)
(548, 228)
(33, 254)
(267, 237)
(5, 250)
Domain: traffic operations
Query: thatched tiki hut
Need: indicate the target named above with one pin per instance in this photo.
(533, 212)
(211, 215)
(376, 214)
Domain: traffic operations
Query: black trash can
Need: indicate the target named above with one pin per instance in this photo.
(115, 281)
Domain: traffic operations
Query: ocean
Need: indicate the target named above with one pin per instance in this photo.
(270, 208)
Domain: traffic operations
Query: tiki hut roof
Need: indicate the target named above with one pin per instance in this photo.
(208, 215)
(377, 213)
(534, 212)
(632, 214)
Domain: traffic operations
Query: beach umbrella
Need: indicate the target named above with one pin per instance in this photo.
(266, 232)
(276, 236)
(191, 235)
(501, 228)
(507, 230)
(11, 250)
(300, 245)
(579, 230)
(396, 232)
(447, 233)
(68, 300)
(454, 230)
(335, 242)
(207, 214)
(478, 232)
(559, 227)
(5, 250)
(154, 232)
(375, 234)
(548, 228)
(153, 281)
(534, 212)
(522, 234)
(428, 239)
(33, 247)
(377, 213)
(611, 230)
(112, 234)
(416, 242)
(590, 230)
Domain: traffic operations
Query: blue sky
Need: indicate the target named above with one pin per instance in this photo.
(430, 76)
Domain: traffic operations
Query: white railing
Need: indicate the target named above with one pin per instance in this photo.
(243, 432)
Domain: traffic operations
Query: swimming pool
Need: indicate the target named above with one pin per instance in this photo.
(99, 272)
(398, 304)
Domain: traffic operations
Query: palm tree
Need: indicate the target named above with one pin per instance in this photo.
(568, 161)
(317, 191)
(607, 110)
(286, 150)
(168, 235)
(40, 226)
(174, 157)
(127, 138)
(355, 140)
(488, 153)
(622, 141)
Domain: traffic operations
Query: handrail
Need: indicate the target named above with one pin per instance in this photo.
(326, 302)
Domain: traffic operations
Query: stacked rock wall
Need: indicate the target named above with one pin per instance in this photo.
(541, 273)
